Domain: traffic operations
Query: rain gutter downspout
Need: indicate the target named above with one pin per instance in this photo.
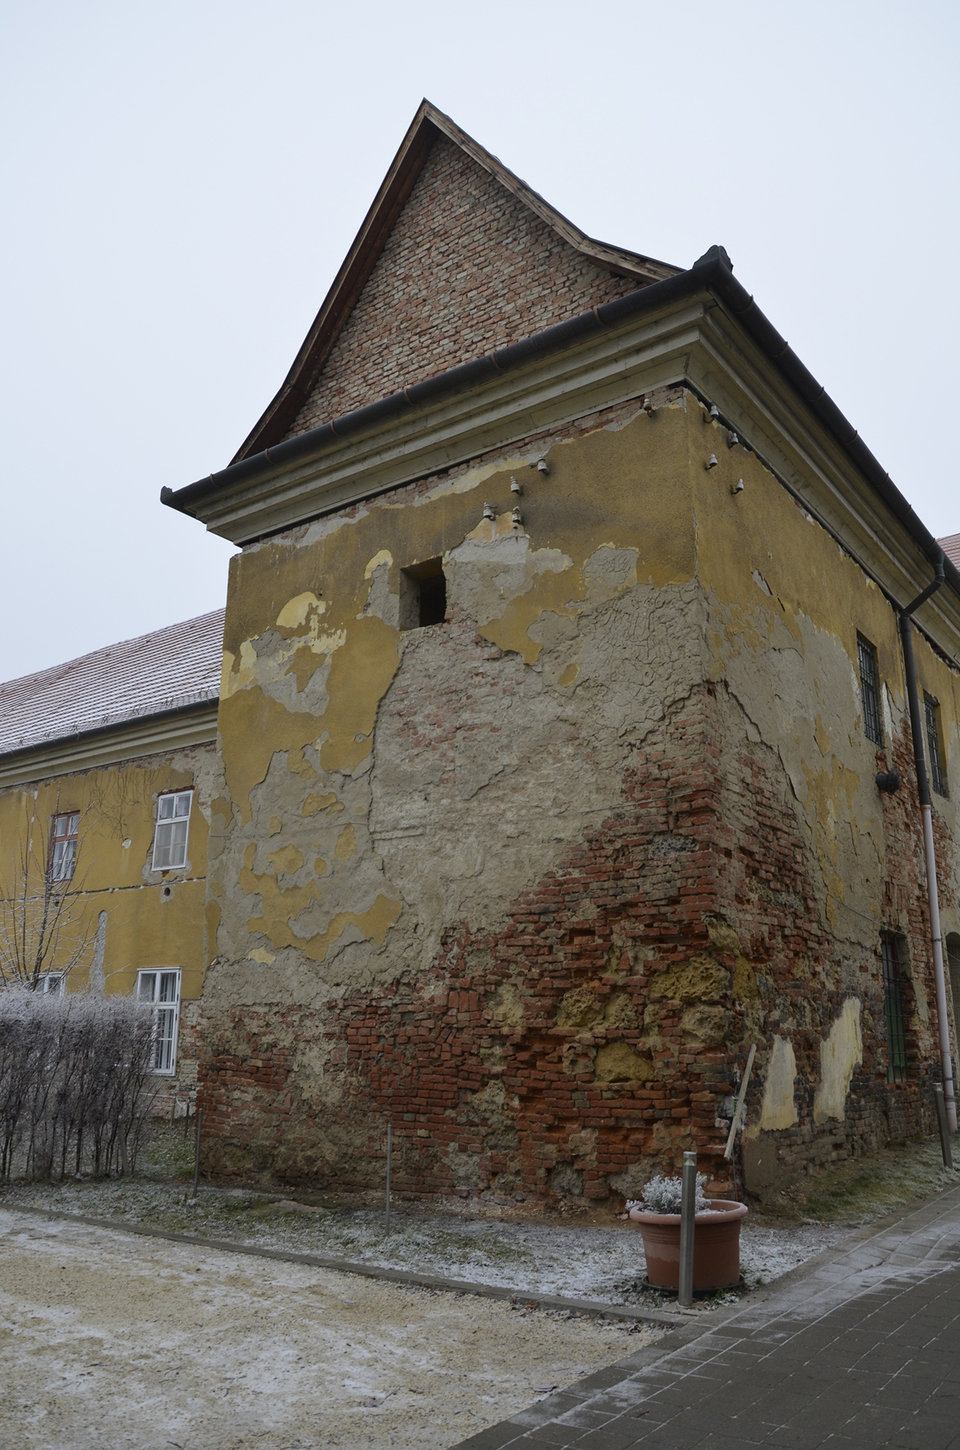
(929, 849)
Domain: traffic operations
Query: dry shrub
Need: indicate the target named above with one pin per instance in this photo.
(75, 1083)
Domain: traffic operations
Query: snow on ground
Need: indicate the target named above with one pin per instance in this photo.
(603, 1263)
(140, 1343)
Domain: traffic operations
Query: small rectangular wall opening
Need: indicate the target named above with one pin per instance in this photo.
(423, 595)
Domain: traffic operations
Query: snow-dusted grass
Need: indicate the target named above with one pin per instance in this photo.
(603, 1263)
(866, 1189)
(483, 1243)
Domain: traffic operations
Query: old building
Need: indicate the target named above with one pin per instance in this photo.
(563, 655)
(107, 770)
(561, 660)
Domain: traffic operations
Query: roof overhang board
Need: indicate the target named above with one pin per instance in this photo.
(614, 367)
(97, 748)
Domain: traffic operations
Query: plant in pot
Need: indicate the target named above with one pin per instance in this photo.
(716, 1239)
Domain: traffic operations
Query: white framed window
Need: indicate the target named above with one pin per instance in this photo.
(64, 833)
(52, 984)
(173, 824)
(162, 990)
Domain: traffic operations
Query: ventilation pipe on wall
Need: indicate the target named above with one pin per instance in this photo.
(929, 849)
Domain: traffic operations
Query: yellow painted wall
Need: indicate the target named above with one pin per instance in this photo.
(153, 918)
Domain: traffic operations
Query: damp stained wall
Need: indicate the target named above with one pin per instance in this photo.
(649, 660)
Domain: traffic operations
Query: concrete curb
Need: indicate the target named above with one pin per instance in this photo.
(622, 1312)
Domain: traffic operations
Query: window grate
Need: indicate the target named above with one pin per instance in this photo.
(937, 776)
(893, 1010)
(869, 689)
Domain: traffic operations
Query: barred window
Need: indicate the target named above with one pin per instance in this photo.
(869, 689)
(63, 845)
(931, 711)
(163, 990)
(173, 822)
(893, 1008)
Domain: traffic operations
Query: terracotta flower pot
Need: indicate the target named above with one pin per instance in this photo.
(716, 1246)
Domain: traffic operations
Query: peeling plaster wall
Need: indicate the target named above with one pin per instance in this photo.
(531, 881)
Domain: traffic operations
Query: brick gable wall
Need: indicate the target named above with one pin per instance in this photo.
(466, 269)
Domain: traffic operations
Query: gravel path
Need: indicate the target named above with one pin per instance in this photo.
(144, 1345)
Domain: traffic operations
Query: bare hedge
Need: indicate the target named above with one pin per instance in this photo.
(75, 1085)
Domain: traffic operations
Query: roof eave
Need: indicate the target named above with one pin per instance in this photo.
(712, 273)
(113, 727)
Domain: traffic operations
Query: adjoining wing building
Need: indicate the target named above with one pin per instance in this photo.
(565, 748)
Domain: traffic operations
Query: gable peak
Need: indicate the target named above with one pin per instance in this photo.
(429, 126)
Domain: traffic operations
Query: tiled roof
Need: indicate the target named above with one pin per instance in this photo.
(170, 668)
(951, 547)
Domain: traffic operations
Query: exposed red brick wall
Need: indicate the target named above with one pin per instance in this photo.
(467, 268)
(806, 970)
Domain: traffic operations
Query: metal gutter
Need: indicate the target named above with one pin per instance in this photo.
(712, 273)
(929, 845)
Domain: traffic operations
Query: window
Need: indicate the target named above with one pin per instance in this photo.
(893, 1009)
(52, 984)
(423, 595)
(931, 711)
(163, 990)
(173, 820)
(63, 845)
(869, 689)
(953, 963)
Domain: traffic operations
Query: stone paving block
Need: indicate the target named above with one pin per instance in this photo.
(619, 1435)
(601, 1379)
(791, 1437)
(497, 1437)
(925, 1432)
(555, 1434)
(584, 1418)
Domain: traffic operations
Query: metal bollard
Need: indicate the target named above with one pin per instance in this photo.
(389, 1147)
(688, 1210)
(196, 1156)
(945, 1146)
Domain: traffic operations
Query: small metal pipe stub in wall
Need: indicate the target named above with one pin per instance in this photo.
(889, 780)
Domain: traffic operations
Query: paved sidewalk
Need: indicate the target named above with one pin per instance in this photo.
(860, 1350)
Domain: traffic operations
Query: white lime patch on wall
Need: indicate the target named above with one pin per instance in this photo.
(840, 1053)
(779, 1109)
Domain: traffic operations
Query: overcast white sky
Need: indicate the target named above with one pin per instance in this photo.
(180, 182)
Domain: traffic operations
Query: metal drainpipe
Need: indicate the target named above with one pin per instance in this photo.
(929, 849)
